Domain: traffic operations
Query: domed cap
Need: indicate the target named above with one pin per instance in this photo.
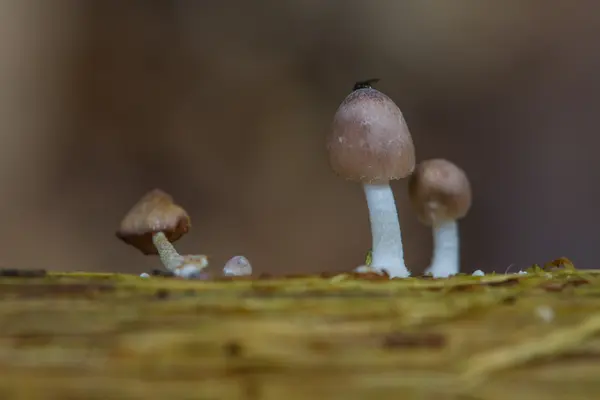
(439, 191)
(155, 212)
(369, 141)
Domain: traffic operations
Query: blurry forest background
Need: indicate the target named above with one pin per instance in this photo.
(225, 105)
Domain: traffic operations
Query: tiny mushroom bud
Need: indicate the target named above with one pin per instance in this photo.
(237, 266)
(370, 143)
(441, 194)
(151, 226)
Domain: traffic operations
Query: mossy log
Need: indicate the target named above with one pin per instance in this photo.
(110, 336)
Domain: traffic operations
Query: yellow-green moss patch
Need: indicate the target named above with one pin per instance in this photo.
(99, 336)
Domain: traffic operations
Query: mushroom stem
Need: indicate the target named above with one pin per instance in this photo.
(445, 259)
(388, 253)
(169, 256)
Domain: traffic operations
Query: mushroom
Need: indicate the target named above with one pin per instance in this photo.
(153, 224)
(440, 193)
(237, 266)
(370, 143)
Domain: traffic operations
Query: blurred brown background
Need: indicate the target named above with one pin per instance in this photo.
(225, 105)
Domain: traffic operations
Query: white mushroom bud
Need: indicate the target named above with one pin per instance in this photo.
(237, 266)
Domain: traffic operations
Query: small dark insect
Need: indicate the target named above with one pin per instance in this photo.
(368, 84)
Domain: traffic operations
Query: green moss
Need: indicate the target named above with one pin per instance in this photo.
(369, 257)
(83, 335)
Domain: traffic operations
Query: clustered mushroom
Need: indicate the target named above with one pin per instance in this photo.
(370, 143)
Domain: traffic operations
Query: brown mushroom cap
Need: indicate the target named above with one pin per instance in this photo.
(439, 191)
(369, 141)
(155, 212)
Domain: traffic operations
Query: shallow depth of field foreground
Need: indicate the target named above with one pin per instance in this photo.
(100, 336)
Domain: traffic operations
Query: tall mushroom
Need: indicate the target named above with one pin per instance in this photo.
(151, 226)
(440, 193)
(370, 143)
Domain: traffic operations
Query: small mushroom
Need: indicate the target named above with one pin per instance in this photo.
(151, 226)
(440, 194)
(237, 266)
(370, 143)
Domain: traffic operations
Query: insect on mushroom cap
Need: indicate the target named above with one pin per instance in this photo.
(439, 191)
(369, 141)
(154, 212)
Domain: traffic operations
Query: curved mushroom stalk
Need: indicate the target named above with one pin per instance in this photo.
(169, 256)
(446, 249)
(387, 251)
(188, 266)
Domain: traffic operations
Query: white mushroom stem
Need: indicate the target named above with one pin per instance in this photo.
(169, 256)
(445, 259)
(388, 253)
